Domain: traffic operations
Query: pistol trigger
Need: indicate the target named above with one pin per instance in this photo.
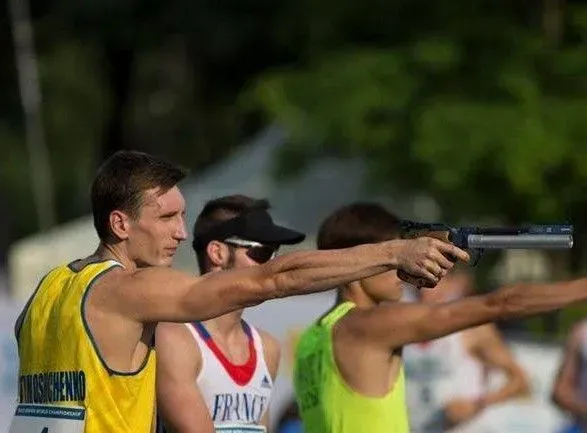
(475, 256)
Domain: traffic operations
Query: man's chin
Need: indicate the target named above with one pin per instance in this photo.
(163, 263)
(166, 263)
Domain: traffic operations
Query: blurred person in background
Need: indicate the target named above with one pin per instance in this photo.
(289, 421)
(447, 378)
(85, 336)
(570, 387)
(348, 370)
(224, 361)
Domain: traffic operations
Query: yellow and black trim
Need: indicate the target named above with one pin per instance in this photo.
(110, 371)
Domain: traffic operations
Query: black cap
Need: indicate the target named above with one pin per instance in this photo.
(256, 225)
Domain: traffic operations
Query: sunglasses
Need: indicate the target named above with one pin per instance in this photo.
(256, 251)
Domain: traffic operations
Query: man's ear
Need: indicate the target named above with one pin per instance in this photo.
(119, 224)
(218, 253)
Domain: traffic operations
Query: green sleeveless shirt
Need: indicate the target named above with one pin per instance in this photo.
(327, 404)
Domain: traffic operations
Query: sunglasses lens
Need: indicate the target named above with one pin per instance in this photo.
(261, 254)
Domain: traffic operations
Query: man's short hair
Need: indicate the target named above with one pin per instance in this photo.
(121, 182)
(222, 209)
(358, 223)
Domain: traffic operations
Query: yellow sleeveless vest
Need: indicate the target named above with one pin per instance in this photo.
(327, 404)
(60, 365)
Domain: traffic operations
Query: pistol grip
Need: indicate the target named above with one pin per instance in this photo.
(418, 282)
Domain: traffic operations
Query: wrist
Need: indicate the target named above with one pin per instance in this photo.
(391, 251)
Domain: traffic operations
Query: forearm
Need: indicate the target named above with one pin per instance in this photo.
(504, 304)
(541, 298)
(297, 273)
(314, 271)
(518, 301)
(444, 319)
(459, 411)
(513, 389)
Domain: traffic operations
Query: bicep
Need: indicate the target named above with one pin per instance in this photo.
(168, 295)
(389, 326)
(393, 326)
(180, 403)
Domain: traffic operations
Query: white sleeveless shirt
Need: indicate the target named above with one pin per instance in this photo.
(437, 372)
(236, 395)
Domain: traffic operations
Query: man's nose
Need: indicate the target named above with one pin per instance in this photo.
(181, 233)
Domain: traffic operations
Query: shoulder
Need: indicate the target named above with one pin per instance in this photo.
(110, 278)
(173, 331)
(176, 336)
(271, 345)
(99, 270)
(357, 323)
(358, 328)
(153, 276)
(177, 351)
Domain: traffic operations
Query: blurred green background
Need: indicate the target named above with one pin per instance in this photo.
(479, 104)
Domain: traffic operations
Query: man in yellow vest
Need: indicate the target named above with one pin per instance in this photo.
(85, 336)
(348, 371)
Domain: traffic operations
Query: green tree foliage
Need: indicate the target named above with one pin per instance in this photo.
(480, 104)
(149, 75)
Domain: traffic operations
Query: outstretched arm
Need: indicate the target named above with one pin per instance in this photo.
(393, 326)
(564, 393)
(164, 294)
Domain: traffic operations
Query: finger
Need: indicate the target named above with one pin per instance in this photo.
(432, 267)
(428, 283)
(419, 277)
(417, 281)
(451, 250)
(443, 261)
